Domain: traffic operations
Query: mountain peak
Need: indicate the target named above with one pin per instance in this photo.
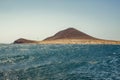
(71, 28)
(70, 33)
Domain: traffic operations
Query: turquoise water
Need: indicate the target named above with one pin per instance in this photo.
(59, 62)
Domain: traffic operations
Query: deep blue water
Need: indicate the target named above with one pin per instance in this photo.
(59, 62)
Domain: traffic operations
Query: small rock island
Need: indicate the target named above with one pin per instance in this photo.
(69, 36)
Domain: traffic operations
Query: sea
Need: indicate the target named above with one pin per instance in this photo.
(59, 62)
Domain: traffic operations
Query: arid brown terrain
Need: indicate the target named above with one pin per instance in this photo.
(69, 36)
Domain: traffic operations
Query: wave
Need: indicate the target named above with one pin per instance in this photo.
(59, 62)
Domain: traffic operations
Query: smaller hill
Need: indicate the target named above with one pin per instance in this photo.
(22, 40)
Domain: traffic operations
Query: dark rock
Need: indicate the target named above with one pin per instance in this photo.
(22, 40)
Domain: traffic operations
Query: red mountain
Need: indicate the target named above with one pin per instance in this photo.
(70, 33)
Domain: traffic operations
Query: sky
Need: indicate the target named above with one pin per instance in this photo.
(38, 19)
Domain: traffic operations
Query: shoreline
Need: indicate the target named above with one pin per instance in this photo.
(78, 41)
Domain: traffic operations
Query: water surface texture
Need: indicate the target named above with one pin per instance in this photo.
(59, 62)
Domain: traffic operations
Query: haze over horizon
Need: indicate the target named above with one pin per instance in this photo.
(38, 19)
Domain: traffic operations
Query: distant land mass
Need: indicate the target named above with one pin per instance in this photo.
(70, 33)
(68, 36)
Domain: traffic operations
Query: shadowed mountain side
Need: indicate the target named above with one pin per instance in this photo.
(22, 40)
(69, 33)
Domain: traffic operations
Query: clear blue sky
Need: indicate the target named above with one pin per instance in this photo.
(38, 19)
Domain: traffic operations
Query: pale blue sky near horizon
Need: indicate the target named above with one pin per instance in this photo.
(38, 19)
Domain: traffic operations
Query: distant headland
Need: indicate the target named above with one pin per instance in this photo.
(68, 36)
